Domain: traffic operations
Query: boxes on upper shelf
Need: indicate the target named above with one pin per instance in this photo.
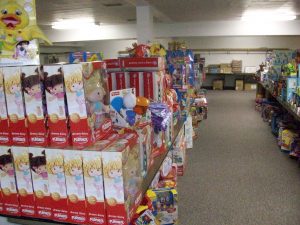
(239, 85)
(218, 84)
(225, 68)
(250, 87)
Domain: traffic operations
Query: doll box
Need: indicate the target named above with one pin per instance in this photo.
(56, 106)
(39, 174)
(8, 183)
(57, 184)
(5, 137)
(35, 105)
(122, 179)
(143, 64)
(75, 186)
(24, 181)
(16, 109)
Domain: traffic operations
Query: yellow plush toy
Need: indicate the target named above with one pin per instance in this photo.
(16, 23)
(157, 49)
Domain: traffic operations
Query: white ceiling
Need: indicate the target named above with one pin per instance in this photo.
(165, 10)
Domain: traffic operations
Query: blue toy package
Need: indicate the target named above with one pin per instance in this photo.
(77, 57)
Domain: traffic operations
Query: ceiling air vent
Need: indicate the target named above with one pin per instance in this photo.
(112, 4)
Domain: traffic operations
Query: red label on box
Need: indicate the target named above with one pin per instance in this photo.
(113, 64)
(58, 133)
(104, 130)
(80, 133)
(154, 63)
(60, 210)
(19, 133)
(1, 202)
(43, 206)
(148, 85)
(38, 133)
(11, 204)
(5, 137)
(77, 212)
(120, 80)
(27, 205)
(96, 213)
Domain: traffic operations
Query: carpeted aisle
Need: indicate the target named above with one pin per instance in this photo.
(236, 175)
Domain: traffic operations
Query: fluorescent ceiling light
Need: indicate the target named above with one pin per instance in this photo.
(268, 15)
(75, 24)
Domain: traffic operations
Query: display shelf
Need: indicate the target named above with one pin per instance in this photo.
(145, 185)
(232, 74)
(284, 104)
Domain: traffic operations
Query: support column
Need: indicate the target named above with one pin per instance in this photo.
(144, 23)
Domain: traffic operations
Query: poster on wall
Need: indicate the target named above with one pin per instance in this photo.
(19, 33)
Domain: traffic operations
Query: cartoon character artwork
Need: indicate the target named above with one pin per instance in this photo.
(7, 167)
(54, 85)
(55, 166)
(73, 168)
(39, 168)
(18, 23)
(22, 166)
(31, 85)
(74, 84)
(96, 94)
(3, 112)
(14, 93)
(93, 169)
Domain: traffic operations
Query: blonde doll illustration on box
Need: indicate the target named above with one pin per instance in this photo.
(113, 170)
(56, 167)
(6, 165)
(13, 87)
(22, 164)
(74, 168)
(74, 83)
(38, 165)
(93, 168)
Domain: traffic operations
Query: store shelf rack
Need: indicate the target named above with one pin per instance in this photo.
(145, 185)
(284, 104)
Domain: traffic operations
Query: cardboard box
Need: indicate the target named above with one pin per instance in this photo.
(225, 68)
(239, 85)
(15, 108)
(57, 185)
(56, 106)
(39, 174)
(5, 137)
(122, 179)
(75, 186)
(8, 183)
(250, 87)
(24, 181)
(35, 104)
(218, 84)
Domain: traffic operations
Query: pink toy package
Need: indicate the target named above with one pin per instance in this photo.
(122, 179)
(15, 108)
(56, 106)
(8, 183)
(35, 105)
(39, 174)
(57, 184)
(24, 181)
(75, 186)
(5, 137)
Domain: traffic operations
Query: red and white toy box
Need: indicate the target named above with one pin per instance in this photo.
(24, 181)
(75, 186)
(136, 81)
(143, 64)
(35, 105)
(15, 108)
(113, 65)
(122, 179)
(118, 80)
(57, 184)
(154, 85)
(97, 98)
(8, 183)
(39, 174)
(5, 137)
(56, 106)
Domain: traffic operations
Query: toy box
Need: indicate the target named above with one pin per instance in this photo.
(97, 98)
(146, 217)
(15, 108)
(57, 185)
(75, 186)
(5, 137)
(165, 204)
(8, 183)
(136, 81)
(188, 126)
(143, 64)
(122, 179)
(153, 85)
(34, 96)
(76, 57)
(24, 181)
(56, 106)
(39, 174)
(179, 152)
(287, 138)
